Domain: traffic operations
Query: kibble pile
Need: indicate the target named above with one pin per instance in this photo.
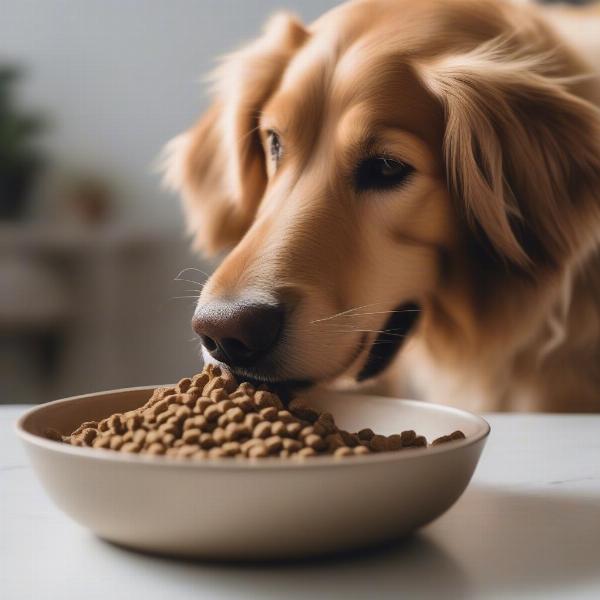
(211, 416)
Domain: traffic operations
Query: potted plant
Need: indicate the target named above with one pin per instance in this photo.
(19, 160)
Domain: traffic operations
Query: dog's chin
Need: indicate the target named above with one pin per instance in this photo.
(379, 355)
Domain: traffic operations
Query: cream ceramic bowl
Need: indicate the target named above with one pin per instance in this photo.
(233, 509)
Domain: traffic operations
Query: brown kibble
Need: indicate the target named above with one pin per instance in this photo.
(139, 436)
(86, 425)
(343, 451)
(455, 435)
(308, 430)
(273, 444)
(115, 424)
(206, 441)
(316, 442)
(218, 395)
(155, 449)
(183, 385)
(244, 402)
(168, 428)
(102, 441)
(186, 451)
(229, 382)
(235, 414)
(252, 420)
(365, 434)
(420, 442)
(263, 430)
(130, 447)
(263, 399)
(225, 405)
(245, 446)
(408, 437)
(393, 442)
(319, 429)
(269, 413)
(350, 439)
(200, 380)
(183, 412)
(278, 428)
(231, 448)
(293, 429)
(361, 450)
(116, 441)
(326, 421)
(168, 439)
(285, 416)
(153, 436)
(211, 416)
(191, 436)
(53, 434)
(305, 453)
(202, 404)
(212, 413)
(219, 436)
(192, 395)
(88, 436)
(162, 418)
(334, 441)
(291, 445)
(216, 453)
(378, 443)
(304, 412)
(258, 451)
(236, 431)
(216, 383)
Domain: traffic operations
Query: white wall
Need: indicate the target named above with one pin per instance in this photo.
(120, 77)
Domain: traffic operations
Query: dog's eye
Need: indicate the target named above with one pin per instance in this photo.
(274, 143)
(381, 173)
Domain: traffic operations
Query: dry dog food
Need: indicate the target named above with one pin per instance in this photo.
(211, 416)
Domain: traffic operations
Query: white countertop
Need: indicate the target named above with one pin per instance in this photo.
(527, 527)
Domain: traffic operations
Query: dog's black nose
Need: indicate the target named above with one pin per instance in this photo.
(238, 334)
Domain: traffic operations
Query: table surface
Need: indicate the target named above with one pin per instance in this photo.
(527, 527)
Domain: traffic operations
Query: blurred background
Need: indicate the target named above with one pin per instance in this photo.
(90, 246)
(89, 243)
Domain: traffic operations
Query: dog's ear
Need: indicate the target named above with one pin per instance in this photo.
(218, 166)
(522, 153)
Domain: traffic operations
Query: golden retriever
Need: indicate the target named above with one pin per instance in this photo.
(408, 192)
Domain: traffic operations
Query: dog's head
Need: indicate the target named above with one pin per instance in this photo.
(383, 171)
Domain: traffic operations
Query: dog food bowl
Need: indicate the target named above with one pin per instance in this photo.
(254, 510)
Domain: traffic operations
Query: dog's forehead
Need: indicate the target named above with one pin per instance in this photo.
(354, 61)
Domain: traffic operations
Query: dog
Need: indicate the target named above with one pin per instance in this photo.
(405, 194)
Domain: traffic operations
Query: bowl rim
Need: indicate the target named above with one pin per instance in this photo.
(273, 463)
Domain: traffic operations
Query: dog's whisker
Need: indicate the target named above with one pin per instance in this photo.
(344, 312)
(183, 297)
(207, 275)
(351, 313)
(200, 283)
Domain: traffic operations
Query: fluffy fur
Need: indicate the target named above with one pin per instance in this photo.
(495, 234)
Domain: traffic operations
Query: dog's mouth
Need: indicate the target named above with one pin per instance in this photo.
(390, 339)
(382, 352)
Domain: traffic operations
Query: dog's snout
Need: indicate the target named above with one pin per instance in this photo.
(238, 334)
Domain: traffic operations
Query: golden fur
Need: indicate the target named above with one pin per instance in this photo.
(496, 233)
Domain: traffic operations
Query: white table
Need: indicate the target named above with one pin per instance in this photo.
(528, 527)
